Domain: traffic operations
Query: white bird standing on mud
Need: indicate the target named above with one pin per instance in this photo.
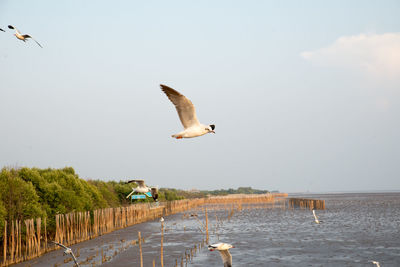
(187, 115)
(223, 249)
(315, 217)
(67, 251)
(22, 37)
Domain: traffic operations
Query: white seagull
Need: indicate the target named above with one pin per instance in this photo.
(376, 263)
(315, 217)
(22, 37)
(223, 249)
(141, 188)
(187, 115)
(67, 251)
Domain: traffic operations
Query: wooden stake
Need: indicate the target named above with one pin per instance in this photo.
(5, 243)
(45, 235)
(140, 249)
(162, 243)
(206, 227)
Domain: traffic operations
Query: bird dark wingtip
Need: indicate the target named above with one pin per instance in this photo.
(164, 87)
(169, 91)
(10, 27)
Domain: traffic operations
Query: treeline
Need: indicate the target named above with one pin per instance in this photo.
(183, 194)
(240, 190)
(37, 193)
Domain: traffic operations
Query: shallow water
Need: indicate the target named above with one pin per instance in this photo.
(356, 229)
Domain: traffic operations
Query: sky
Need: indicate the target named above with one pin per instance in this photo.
(305, 95)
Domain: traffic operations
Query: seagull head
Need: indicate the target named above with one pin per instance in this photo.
(211, 128)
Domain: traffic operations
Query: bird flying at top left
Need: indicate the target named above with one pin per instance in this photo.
(22, 37)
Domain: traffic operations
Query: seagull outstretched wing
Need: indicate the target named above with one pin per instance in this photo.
(59, 244)
(28, 36)
(140, 183)
(184, 107)
(226, 257)
(67, 251)
(13, 28)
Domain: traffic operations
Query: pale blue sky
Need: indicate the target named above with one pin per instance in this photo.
(295, 107)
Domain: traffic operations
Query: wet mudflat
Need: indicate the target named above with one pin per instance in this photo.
(356, 229)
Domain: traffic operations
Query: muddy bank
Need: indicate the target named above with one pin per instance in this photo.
(120, 248)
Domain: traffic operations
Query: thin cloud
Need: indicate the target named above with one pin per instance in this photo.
(377, 54)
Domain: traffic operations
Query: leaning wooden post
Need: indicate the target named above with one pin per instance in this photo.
(38, 228)
(5, 243)
(45, 234)
(162, 242)
(206, 227)
(140, 249)
(12, 240)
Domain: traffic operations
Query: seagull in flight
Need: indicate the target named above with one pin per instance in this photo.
(376, 263)
(187, 115)
(67, 251)
(223, 249)
(141, 188)
(22, 37)
(315, 217)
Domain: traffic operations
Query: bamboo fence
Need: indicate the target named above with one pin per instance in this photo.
(24, 240)
(304, 203)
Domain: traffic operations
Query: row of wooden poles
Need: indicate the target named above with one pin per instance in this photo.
(15, 249)
(229, 203)
(305, 203)
(24, 243)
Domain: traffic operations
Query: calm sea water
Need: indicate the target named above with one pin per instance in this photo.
(356, 229)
